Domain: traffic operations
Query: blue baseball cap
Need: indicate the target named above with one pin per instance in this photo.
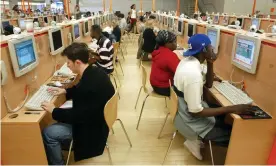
(196, 43)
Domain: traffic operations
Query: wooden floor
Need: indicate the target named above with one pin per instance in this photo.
(147, 149)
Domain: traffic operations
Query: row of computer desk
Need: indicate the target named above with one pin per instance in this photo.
(21, 136)
(251, 140)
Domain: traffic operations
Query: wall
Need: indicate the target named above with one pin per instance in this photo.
(212, 5)
(245, 6)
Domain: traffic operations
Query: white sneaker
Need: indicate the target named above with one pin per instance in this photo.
(194, 147)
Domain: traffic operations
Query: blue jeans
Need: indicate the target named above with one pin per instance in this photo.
(55, 138)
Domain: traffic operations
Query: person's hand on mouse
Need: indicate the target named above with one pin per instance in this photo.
(56, 91)
(239, 109)
(49, 107)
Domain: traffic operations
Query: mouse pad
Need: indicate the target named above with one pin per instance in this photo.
(261, 115)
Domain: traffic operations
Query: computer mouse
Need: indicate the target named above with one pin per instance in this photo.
(58, 84)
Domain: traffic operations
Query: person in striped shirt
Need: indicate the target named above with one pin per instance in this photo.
(105, 51)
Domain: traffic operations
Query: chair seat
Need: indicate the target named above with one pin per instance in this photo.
(154, 94)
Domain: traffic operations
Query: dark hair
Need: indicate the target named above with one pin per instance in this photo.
(131, 7)
(141, 18)
(152, 17)
(77, 51)
(121, 15)
(96, 28)
(203, 15)
(106, 34)
(195, 16)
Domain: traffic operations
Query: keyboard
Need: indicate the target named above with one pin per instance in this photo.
(233, 94)
(40, 96)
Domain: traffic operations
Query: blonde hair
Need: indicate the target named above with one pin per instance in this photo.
(149, 23)
(114, 23)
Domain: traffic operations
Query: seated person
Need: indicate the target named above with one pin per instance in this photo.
(105, 51)
(164, 62)
(192, 112)
(149, 40)
(122, 21)
(84, 122)
(203, 16)
(116, 31)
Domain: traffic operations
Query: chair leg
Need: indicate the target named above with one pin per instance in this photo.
(211, 152)
(138, 96)
(141, 112)
(163, 125)
(174, 134)
(114, 80)
(109, 155)
(166, 102)
(70, 149)
(121, 67)
(112, 130)
(130, 144)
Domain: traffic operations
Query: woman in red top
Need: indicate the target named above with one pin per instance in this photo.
(164, 62)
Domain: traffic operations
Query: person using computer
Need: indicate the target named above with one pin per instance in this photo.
(203, 16)
(122, 21)
(84, 123)
(193, 113)
(164, 62)
(105, 51)
(116, 31)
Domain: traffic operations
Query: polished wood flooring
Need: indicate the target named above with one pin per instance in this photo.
(147, 149)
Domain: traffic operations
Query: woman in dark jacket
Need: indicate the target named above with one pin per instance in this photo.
(149, 39)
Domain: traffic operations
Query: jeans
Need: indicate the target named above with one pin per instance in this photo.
(55, 138)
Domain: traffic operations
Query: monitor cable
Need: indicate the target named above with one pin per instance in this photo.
(235, 82)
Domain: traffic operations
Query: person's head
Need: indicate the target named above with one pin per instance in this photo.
(167, 39)
(152, 17)
(128, 14)
(121, 15)
(195, 16)
(15, 8)
(149, 23)
(77, 56)
(106, 34)
(203, 16)
(199, 46)
(114, 23)
(133, 6)
(141, 19)
(96, 31)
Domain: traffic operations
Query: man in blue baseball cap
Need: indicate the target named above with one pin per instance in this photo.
(194, 115)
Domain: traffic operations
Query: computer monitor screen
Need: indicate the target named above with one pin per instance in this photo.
(245, 52)
(5, 24)
(241, 21)
(21, 24)
(225, 20)
(216, 19)
(180, 26)
(55, 18)
(45, 19)
(191, 30)
(76, 31)
(166, 20)
(25, 53)
(57, 39)
(214, 35)
(35, 20)
(256, 22)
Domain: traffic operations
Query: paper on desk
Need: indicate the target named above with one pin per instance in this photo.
(67, 104)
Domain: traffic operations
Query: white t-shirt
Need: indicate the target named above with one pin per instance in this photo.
(133, 13)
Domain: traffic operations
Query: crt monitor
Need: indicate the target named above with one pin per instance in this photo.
(180, 27)
(45, 20)
(225, 20)
(76, 31)
(256, 21)
(5, 24)
(86, 28)
(241, 20)
(23, 55)
(191, 29)
(216, 19)
(165, 20)
(55, 18)
(21, 24)
(171, 22)
(36, 20)
(56, 42)
(245, 52)
(214, 34)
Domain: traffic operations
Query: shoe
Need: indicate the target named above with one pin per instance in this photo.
(194, 148)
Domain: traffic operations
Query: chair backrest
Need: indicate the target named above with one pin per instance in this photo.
(173, 103)
(144, 77)
(110, 110)
(115, 47)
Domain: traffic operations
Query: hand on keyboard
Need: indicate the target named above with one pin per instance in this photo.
(56, 91)
(48, 106)
(239, 109)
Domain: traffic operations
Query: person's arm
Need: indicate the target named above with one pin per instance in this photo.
(209, 75)
(193, 96)
(173, 63)
(70, 92)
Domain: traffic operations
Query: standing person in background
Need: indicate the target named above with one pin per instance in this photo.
(133, 16)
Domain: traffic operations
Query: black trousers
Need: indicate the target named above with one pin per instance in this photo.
(161, 91)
